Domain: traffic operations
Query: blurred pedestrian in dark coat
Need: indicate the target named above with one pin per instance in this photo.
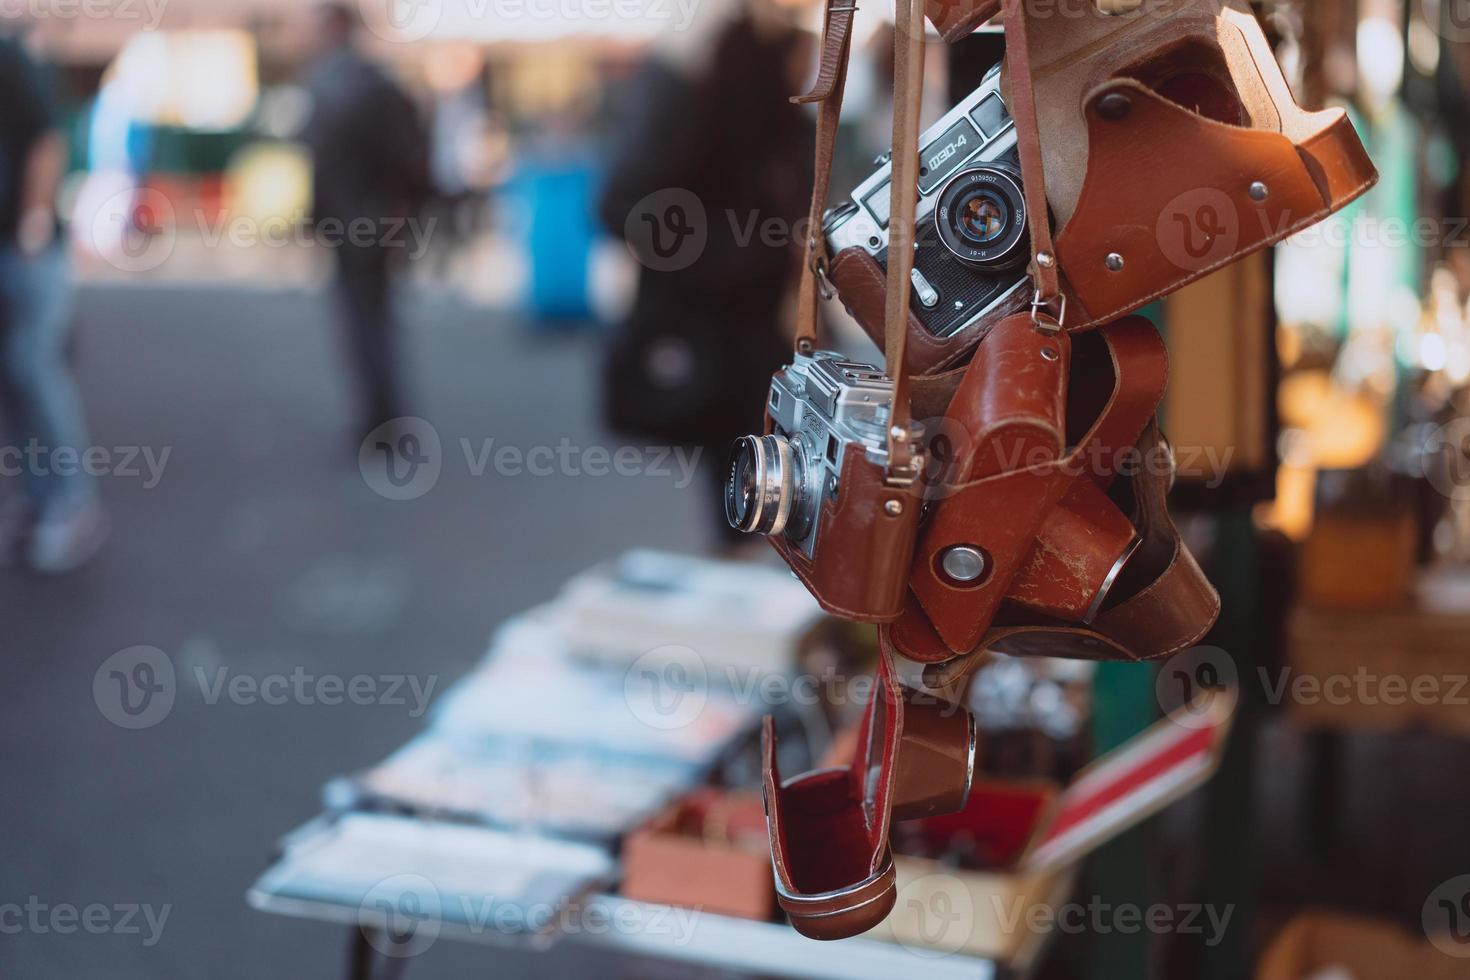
(370, 154)
(709, 189)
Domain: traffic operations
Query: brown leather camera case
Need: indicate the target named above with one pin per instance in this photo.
(1004, 512)
(915, 757)
(1171, 146)
(865, 541)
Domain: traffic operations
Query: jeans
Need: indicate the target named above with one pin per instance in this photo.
(37, 393)
(364, 292)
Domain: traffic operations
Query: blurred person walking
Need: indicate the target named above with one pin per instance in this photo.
(56, 522)
(715, 157)
(370, 160)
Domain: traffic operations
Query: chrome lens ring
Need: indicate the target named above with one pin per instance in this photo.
(759, 485)
(1112, 578)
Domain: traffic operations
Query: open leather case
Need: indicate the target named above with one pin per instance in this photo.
(1067, 572)
(1171, 146)
(916, 753)
(829, 827)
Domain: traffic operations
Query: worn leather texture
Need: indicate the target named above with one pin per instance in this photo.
(859, 567)
(954, 19)
(1079, 544)
(829, 829)
(1012, 404)
(1032, 521)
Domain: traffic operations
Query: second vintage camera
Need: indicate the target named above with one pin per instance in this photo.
(971, 244)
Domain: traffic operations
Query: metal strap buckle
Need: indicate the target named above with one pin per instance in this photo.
(903, 476)
(1038, 304)
(842, 8)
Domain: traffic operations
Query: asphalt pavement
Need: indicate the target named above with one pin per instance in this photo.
(248, 543)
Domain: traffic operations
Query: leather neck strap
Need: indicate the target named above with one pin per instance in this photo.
(908, 88)
(908, 95)
(828, 89)
(1048, 297)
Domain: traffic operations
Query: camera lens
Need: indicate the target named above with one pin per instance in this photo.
(981, 218)
(759, 484)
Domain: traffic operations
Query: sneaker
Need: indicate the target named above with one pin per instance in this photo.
(67, 536)
(17, 517)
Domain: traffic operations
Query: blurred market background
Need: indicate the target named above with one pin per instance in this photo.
(239, 524)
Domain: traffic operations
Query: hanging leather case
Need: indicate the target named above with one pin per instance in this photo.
(865, 541)
(1171, 146)
(916, 753)
(915, 757)
(1055, 545)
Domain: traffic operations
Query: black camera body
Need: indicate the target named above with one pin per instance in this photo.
(971, 245)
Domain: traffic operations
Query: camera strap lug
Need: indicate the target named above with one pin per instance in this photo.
(904, 477)
(908, 437)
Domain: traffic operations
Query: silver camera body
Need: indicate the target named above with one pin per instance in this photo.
(970, 239)
(822, 407)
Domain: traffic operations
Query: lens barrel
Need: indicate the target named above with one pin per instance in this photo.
(760, 484)
(980, 216)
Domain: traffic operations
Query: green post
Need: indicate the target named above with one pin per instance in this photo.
(1229, 835)
(1124, 704)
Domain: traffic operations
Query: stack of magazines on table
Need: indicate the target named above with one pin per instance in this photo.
(607, 743)
(587, 717)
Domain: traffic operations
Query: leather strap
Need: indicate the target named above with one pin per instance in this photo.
(1022, 107)
(908, 86)
(1179, 604)
(827, 90)
(908, 96)
(1003, 513)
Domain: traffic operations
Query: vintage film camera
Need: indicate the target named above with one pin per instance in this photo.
(1170, 142)
(817, 485)
(970, 232)
(821, 408)
(824, 408)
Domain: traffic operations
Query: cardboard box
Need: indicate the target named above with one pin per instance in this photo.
(1329, 946)
(708, 851)
(1032, 834)
(1354, 561)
